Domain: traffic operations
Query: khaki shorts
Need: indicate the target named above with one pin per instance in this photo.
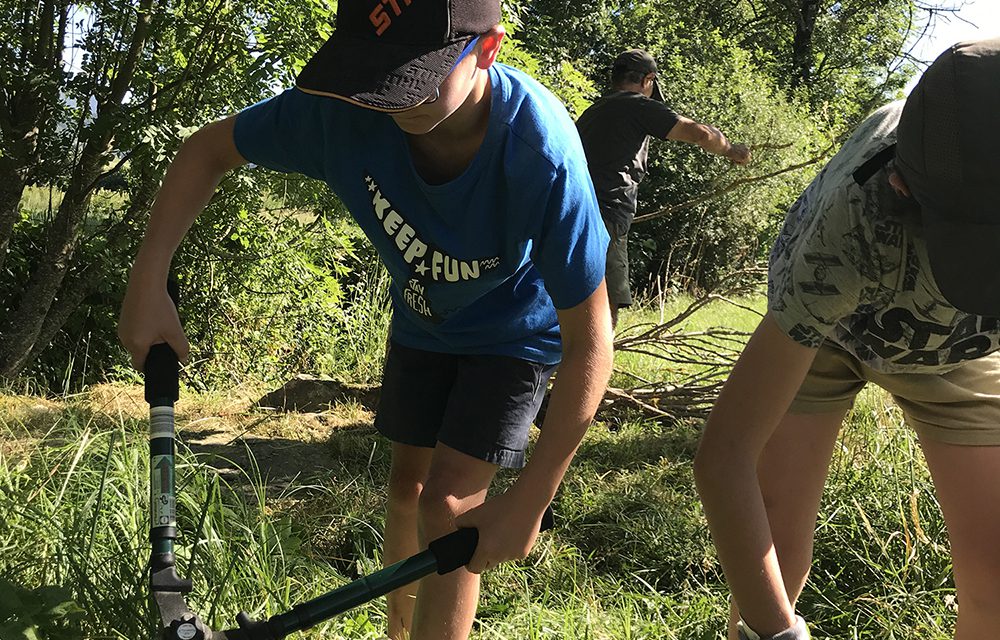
(960, 407)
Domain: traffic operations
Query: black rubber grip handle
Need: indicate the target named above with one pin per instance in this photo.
(161, 368)
(457, 548)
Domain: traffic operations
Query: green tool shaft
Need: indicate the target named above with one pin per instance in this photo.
(356, 593)
(162, 499)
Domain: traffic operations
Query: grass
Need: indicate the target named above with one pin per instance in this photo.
(38, 200)
(278, 509)
(739, 315)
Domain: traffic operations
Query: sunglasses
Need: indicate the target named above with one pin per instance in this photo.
(437, 90)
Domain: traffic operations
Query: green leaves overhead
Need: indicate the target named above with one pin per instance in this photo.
(101, 95)
(789, 77)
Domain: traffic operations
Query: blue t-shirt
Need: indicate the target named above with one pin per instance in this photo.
(478, 264)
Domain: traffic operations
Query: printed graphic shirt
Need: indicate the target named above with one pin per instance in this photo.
(615, 132)
(478, 264)
(847, 267)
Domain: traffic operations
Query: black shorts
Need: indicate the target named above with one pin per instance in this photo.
(480, 405)
(616, 271)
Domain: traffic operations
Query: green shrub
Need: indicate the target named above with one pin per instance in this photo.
(36, 614)
(696, 246)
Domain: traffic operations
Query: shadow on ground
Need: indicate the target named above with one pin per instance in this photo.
(278, 462)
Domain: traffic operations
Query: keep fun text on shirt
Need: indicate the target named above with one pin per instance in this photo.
(479, 264)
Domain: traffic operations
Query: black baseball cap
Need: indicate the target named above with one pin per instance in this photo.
(390, 55)
(948, 139)
(641, 62)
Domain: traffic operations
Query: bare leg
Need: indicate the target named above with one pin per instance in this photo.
(406, 481)
(792, 471)
(446, 605)
(967, 480)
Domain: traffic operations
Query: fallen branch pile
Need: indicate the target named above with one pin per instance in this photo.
(701, 361)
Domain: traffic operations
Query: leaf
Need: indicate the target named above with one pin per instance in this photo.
(19, 631)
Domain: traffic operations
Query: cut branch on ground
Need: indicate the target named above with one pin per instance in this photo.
(703, 359)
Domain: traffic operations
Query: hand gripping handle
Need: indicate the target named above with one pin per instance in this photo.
(457, 548)
(161, 366)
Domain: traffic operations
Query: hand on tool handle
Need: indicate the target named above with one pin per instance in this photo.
(443, 555)
(459, 548)
(148, 317)
(510, 523)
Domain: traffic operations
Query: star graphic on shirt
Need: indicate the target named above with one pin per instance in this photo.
(371, 185)
(421, 268)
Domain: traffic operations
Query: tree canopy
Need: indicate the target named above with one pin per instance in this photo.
(95, 98)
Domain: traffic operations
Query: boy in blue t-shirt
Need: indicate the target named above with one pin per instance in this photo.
(469, 179)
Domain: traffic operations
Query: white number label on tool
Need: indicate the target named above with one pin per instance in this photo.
(164, 505)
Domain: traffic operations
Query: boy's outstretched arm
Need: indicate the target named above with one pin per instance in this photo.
(710, 139)
(148, 316)
(508, 524)
(753, 401)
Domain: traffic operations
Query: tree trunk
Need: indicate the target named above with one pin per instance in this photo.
(11, 190)
(19, 119)
(75, 289)
(19, 337)
(23, 111)
(17, 340)
(805, 26)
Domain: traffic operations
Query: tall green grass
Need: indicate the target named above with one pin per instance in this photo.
(73, 499)
(366, 320)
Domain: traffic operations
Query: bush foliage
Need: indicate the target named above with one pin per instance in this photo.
(275, 276)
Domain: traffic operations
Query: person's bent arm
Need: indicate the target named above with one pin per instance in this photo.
(708, 138)
(508, 524)
(753, 401)
(148, 316)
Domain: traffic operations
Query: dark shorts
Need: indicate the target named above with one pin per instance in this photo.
(619, 292)
(480, 405)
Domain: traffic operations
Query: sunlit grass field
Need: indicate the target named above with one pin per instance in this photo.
(39, 201)
(276, 509)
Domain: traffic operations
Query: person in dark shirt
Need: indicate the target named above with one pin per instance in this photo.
(615, 132)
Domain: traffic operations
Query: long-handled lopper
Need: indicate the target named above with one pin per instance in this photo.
(178, 621)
